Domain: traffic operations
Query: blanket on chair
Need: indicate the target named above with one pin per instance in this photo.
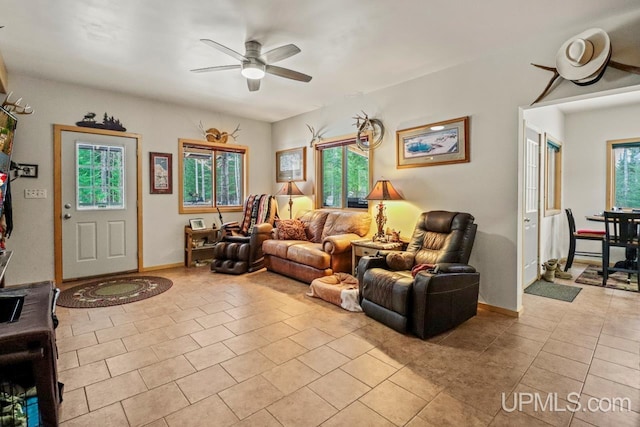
(257, 209)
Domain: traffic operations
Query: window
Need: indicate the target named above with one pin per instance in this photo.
(99, 176)
(211, 176)
(623, 173)
(343, 175)
(553, 176)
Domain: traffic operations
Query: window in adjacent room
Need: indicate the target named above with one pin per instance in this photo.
(623, 173)
(343, 175)
(211, 176)
(553, 176)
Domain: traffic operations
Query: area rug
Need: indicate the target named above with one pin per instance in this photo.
(553, 290)
(617, 280)
(113, 291)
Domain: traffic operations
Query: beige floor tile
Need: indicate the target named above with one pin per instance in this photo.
(520, 419)
(410, 380)
(76, 342)
(212, 335)
(84, 375)
(248, 365)
(214, 319)
(91, 326)
(114, 390)
(203, 414)
(125, 318)
(621, 332)
(465, 339)
(181, 329)
(145, 339)
(204, 383)
(614, 372)
(311, 338)
(215, 307)
(357, 415)
(323, 359)
(385, 357)
(100, 352)
(339, 388)
(290, 376)
(261, 418)
(110, 416)
(351, 345)
(613, 355)
(174, 347)
(561, 365)
(67, 361)
(166, 371)
(570, 351)
(574, 338)
(250, 396)
(282, 351)
(127, 362)
(301, 408)
(245, 343)
(183, 315)
(523, 330)
(209, 356)
(63, 331)
(242, 326)
(276, 331)
(558, 415)
(506, 357)
(445, 410)
(157, 423)
(609, 418)
(607, 389)
(514, 342)
(619, 343)
(393, 402)
(116, 332)
(537, 322)
(369, 370)
(74, 404)
(154, 404)
(154, 323)
(551, 382)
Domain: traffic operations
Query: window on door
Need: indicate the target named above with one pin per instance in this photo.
(343, 174)
(553, 176)
(99, 177)
(211, 176)
(623, 173)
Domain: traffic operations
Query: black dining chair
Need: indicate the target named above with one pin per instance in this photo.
(621, 230)
(575, 235)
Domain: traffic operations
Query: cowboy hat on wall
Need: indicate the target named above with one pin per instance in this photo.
(583, 60)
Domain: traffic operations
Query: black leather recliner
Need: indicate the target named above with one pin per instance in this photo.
(444, 291)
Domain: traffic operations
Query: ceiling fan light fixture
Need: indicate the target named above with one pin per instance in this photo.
(253, 70)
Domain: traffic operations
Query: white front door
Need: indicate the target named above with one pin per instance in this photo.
(98, 204)
(532, 140)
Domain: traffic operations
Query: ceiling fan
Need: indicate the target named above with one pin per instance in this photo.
(253, 64)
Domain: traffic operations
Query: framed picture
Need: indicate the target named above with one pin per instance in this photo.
(439, 143)
(28, 171)
(197, 224)
(160, 171)
(291, 165)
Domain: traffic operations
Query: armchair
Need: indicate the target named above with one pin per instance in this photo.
(240, 249)
(429, 288)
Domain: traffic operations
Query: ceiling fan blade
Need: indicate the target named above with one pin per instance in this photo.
(224, 49)
(218, 68)
(254, 84)
(287, 73)
(279, 53)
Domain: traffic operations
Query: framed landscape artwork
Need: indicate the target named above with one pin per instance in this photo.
(433, 144)
(160, 173)
(291, 165)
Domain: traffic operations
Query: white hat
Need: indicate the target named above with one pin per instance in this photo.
(582, 58)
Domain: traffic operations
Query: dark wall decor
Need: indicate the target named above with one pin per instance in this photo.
(160, 173)
(108, 122)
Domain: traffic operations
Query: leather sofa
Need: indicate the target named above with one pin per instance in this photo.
(326, 250)
(429, 288)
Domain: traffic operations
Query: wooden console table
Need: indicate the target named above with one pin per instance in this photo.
(207, 238)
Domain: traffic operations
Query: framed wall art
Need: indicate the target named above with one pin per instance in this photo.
(197, 224)
(160, 170)
(291, 165)
(439, 143)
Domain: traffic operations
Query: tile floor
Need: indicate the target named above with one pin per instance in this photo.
(221, 350)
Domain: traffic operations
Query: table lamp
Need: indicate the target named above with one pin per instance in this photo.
(290, 189)
(383, 190)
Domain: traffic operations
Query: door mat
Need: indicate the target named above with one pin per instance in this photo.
(113, 291)
(553, 290)
(617, 280)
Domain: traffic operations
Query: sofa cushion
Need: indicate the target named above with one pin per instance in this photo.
(290, 229)
(314, 224)
(310, 254)
(345, 222)
(279, 248)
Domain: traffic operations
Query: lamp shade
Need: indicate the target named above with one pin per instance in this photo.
(290, 189)
(383, 190)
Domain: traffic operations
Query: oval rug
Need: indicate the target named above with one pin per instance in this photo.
(108, 292)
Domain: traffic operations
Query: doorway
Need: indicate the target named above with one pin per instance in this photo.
(531, 208)
(97, 214)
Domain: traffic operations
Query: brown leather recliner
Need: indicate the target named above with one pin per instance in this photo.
(240, 250)
(444, 292)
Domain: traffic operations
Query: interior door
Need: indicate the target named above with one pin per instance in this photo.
(98, 203)
(530, 260)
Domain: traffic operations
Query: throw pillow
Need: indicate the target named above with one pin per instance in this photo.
(400, 260)
(290, 229)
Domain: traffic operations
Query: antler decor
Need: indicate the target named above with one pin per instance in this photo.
(214, 135)
(15, 107)
(365, 124)
(316, 136)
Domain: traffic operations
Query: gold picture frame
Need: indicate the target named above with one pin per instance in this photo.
(291, 165)
(434, 144)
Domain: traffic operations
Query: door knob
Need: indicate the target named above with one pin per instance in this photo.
(67, 205)
(67, 216)
(527, 220)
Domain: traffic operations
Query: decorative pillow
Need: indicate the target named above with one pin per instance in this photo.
(397, 260)
(290, 229)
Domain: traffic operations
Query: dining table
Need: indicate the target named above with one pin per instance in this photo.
(631, 254)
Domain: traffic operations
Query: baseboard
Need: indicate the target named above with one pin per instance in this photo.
(500, 310)
(161, 267)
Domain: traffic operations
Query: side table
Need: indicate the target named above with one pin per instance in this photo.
(199, 244)
(360, 248)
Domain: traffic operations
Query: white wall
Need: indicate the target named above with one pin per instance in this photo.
(489, 90)
(160, 124)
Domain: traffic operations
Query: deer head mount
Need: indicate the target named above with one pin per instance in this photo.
(15, 107)
(214, 135)
(365, 124)
(316, 136)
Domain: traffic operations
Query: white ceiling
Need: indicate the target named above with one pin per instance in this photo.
(350, 47)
